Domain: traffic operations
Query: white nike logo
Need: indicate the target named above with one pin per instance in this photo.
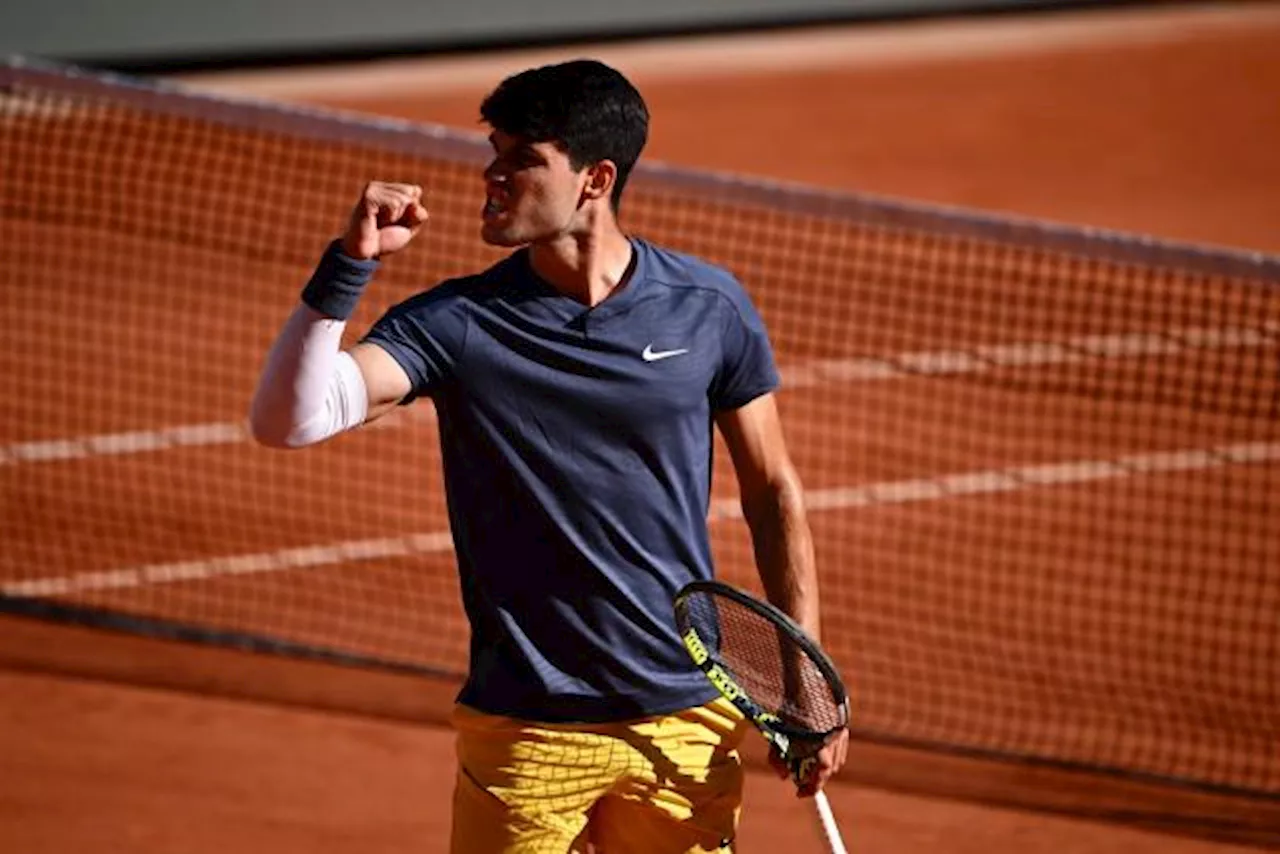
(652, 355)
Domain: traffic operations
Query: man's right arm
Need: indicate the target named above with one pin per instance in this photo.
(386, 383)
(309, 389)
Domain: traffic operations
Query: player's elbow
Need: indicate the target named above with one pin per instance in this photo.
(773, 499)
(277, 439)
(284, 421)
(272, 429)
(267, 438)
(264, 432)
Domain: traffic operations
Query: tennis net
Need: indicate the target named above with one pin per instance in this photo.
(1041, 462)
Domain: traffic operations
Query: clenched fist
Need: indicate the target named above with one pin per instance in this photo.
(385, 219)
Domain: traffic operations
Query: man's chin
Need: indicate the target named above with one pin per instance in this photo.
(500, 237)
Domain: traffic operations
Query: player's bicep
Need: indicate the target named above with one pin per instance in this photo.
(754, 437)
(386, 382)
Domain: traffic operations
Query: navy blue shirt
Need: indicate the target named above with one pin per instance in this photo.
(577, 446)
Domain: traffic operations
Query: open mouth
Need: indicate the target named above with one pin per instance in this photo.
(494, 206)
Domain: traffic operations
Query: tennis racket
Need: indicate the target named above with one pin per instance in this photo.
(774, 673)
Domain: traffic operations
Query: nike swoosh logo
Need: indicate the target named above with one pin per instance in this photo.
(652, 355)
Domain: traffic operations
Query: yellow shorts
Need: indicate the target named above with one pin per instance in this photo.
(663, 785)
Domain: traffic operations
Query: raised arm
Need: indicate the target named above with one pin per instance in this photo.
(309, 388)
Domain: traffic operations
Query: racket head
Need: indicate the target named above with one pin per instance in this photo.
(764, 663)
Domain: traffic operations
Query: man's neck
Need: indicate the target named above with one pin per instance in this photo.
(588, 267)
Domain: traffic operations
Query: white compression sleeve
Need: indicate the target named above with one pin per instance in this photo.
(308, 390)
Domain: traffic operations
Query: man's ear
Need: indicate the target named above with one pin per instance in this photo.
(601, 177)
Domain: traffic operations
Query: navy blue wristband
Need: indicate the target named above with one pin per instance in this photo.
(336, 285)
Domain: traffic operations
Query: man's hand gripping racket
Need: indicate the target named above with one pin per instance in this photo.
(776, 675)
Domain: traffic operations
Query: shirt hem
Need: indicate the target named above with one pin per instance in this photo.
(612, 709)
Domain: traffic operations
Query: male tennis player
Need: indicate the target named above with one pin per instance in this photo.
(575, 384)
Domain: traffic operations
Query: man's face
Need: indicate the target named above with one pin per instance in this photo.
(531, 192)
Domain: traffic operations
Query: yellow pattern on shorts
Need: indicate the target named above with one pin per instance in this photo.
(663, 785)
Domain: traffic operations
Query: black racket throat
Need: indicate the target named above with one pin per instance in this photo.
(764, 663)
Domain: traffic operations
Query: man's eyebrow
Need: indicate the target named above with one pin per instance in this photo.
(519, 148)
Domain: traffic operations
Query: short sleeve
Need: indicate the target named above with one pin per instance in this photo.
(747, 368)
(425, 335)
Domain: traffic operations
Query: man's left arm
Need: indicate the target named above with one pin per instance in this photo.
(773, 504)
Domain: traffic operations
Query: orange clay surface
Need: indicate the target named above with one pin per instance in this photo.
(1176, 138)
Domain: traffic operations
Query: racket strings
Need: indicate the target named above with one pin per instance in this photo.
(767, 661)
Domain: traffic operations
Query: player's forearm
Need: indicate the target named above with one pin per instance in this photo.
(784, 551)
(308, 389)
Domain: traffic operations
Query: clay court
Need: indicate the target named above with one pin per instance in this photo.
(1162, 122)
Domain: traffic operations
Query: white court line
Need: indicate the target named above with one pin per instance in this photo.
(1028, 354)
(168, 438)
(700, 57)
(114, 444)
(807, 375)
(917, 490)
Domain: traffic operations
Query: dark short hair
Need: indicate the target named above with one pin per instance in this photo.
(589, 110)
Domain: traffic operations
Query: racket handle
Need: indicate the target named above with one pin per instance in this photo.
(827, 823)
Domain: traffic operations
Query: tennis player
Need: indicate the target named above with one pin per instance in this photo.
(575, 383)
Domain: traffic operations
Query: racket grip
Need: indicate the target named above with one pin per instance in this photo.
(827, 824)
